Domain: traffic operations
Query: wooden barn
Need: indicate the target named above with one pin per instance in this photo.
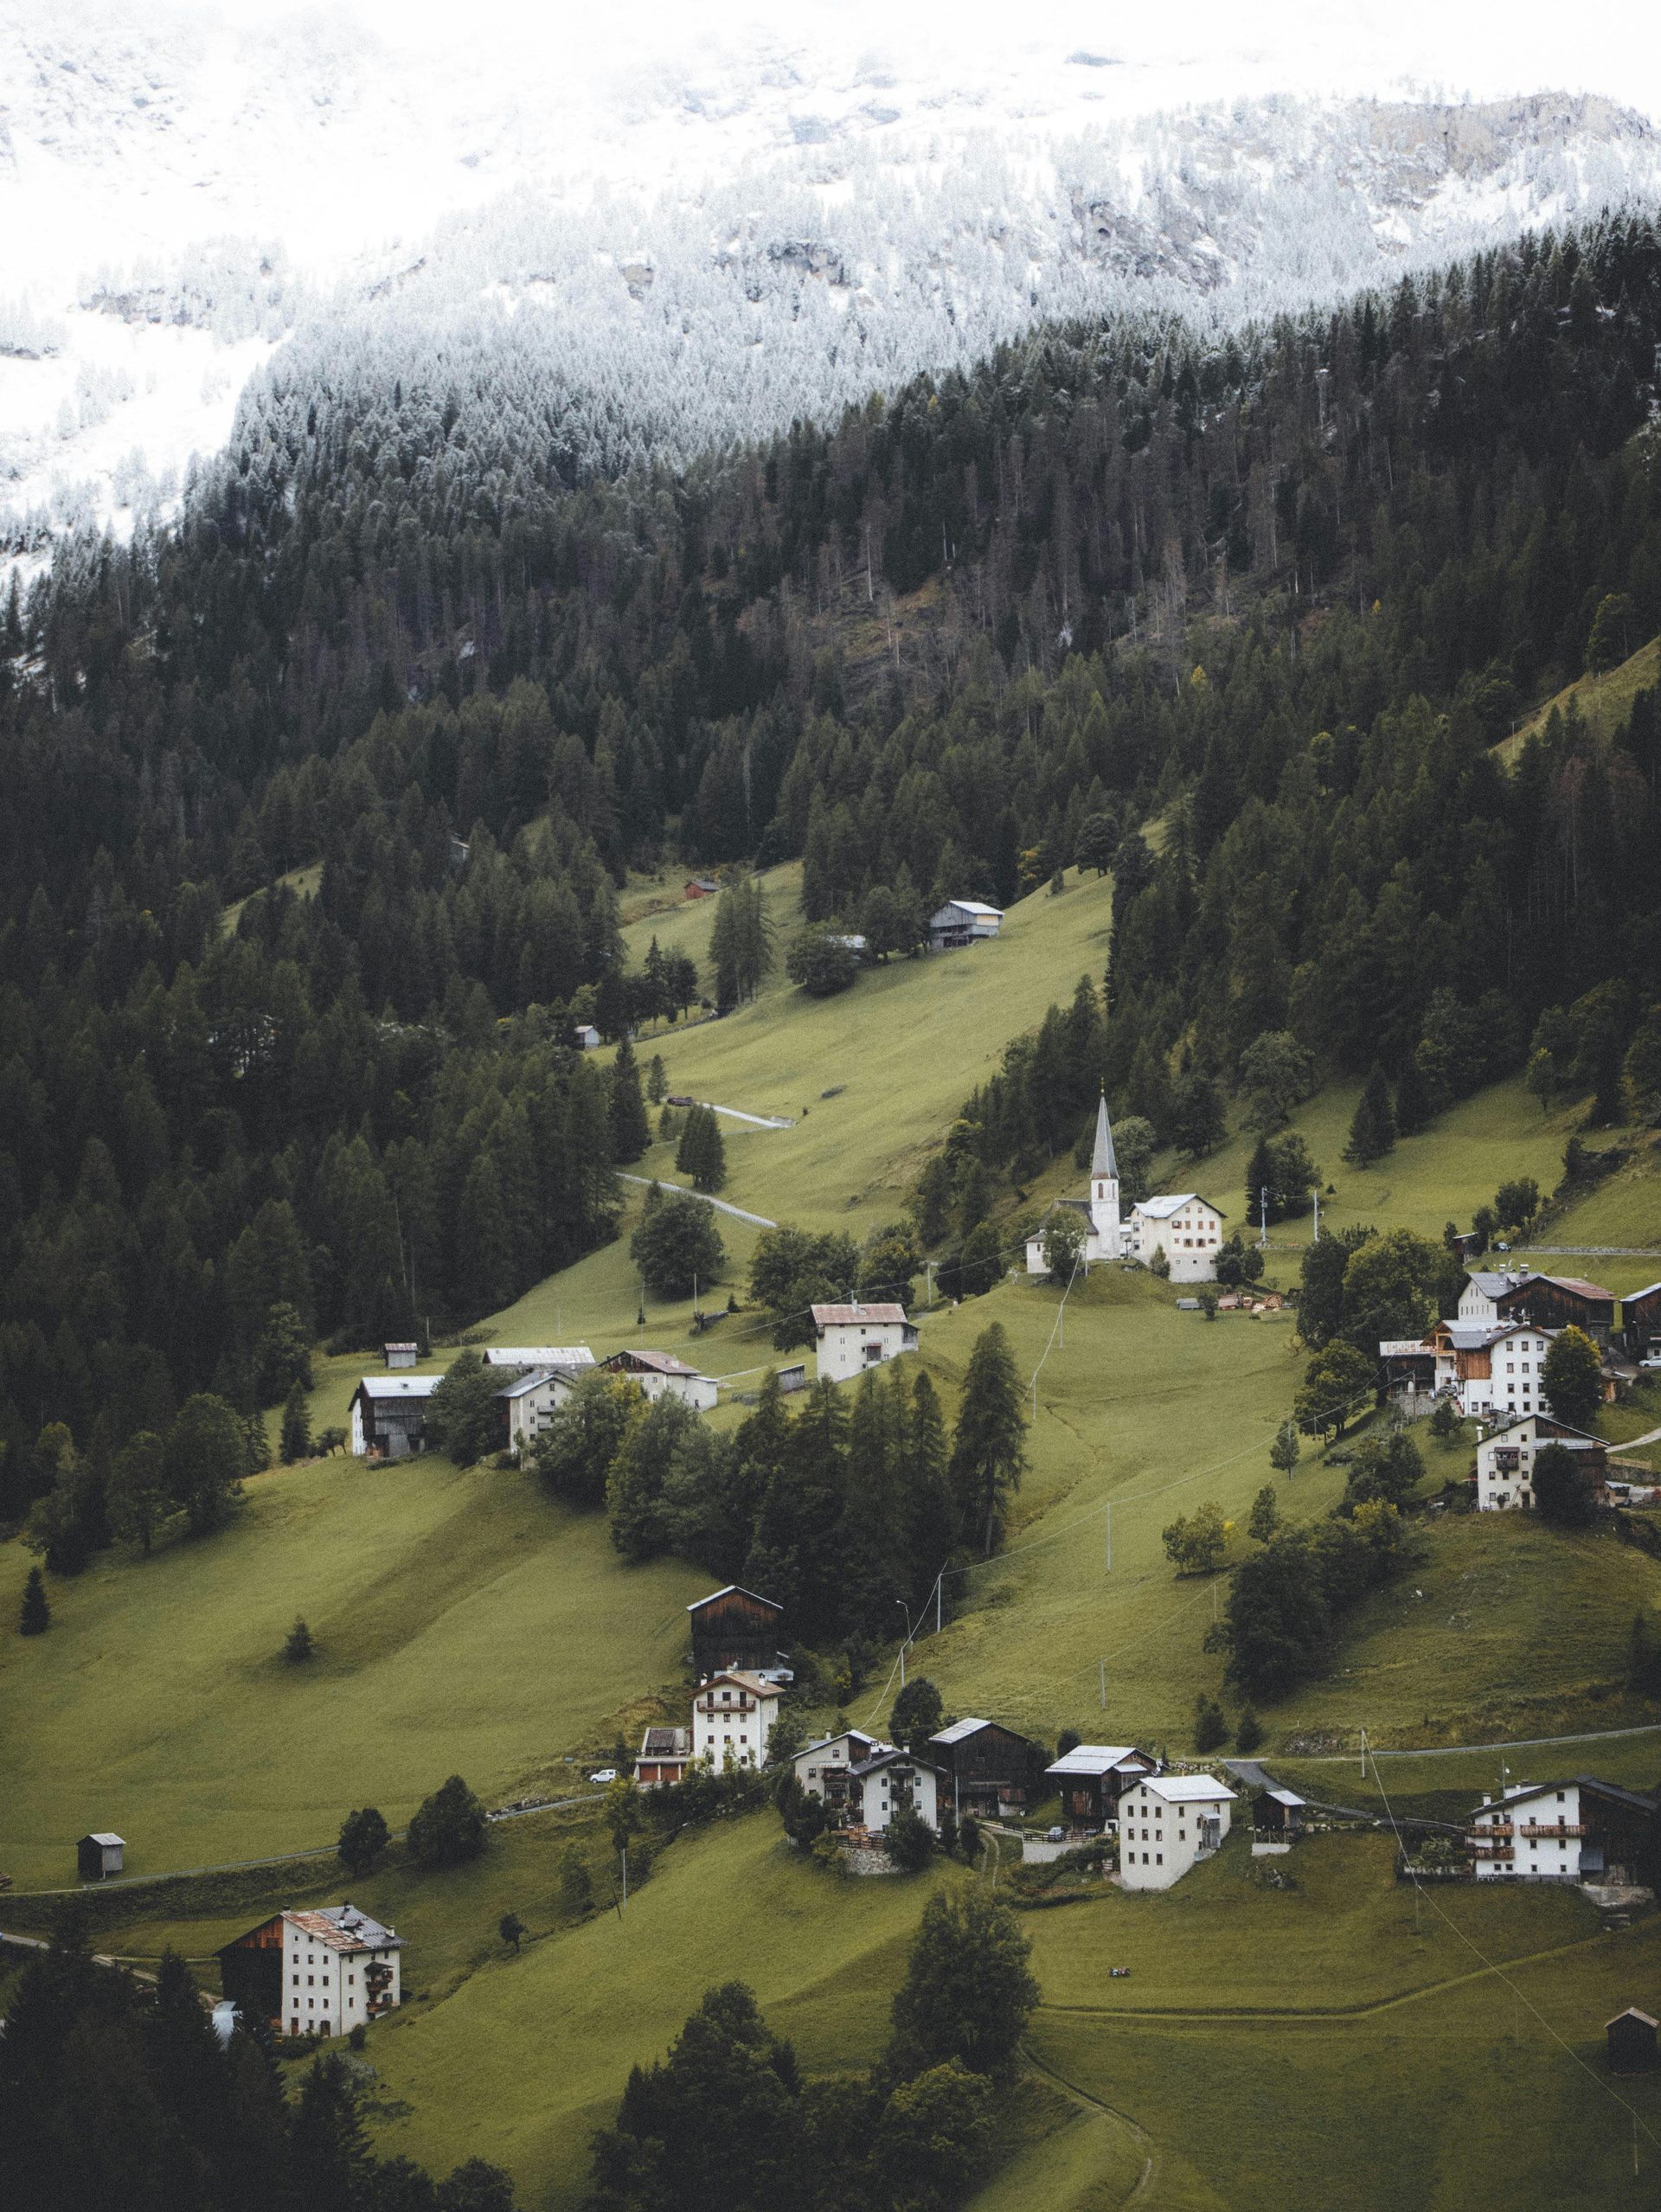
(97, 1858)
(1093, 1777)
(735, 1628)
(991, 1768)
(1630, 2040)
(1640, 1322)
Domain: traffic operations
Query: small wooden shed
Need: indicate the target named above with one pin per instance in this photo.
(401, 1355)
(97, 1858)
(1631, 2038)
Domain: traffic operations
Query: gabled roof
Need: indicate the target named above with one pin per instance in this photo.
(889, 1754)
(858, 1317)
(1187, 1789)
(1546, 1421)
(1095, 1759)
(1639, 1800)
(106, 1838)
(654, 1364)
(1161, 1208)
(343, 1927)
(741, 1679)
(539, 1355)
(1495, 1284)
(960, 1730)
(1577, 1285)
(973, 907)
(1286, 1797)
(735, 1590)
(536, 1380)
(400, 1386)
(1633, 2013)
(1524, 1793)
(1631, 1298)
(850, 1736)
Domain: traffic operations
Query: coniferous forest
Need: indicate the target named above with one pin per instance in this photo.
(1279, 595)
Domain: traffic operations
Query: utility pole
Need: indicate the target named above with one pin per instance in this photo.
(1108, 1510)
(1317, 1213)
(1363, 1754)
(1263, 1223)
(623, 1853)
(1102, 1664)
(940, 1583)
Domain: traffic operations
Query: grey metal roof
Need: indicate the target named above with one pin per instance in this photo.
(958, 1730)
(400, 1386)
(1094, 1758)
(539, 1355)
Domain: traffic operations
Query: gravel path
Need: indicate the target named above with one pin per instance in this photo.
(759, 1221)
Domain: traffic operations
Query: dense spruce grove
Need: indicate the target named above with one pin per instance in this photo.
(116, 2092)
(1278, 595)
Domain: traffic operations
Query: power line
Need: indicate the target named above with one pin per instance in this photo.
(1493, 1967)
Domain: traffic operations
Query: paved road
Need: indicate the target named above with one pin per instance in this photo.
(1455, 1750)
(720, 1206)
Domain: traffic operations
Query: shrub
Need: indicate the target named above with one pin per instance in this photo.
(1210, 1725)
(35, 1615)
(909, 1840)
(298, 1645)
(363, 1837)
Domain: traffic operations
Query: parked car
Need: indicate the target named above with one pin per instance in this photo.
(604, 1774)
(1651, 1362)
(1055, 1835)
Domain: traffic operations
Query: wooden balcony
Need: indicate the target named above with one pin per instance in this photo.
(1538, 1830)
(1501, 1831)
(1492, 1851)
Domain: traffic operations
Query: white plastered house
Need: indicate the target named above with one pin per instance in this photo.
(733, 1715)
(1167, 1822)
(851, 1339)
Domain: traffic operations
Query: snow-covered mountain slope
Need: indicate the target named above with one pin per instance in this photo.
(681, 234)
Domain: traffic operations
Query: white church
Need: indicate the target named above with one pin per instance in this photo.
(1186, 1228)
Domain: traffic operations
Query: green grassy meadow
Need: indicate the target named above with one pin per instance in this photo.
(463, 1622)
(902, 1048)
(466, 1623)
(1604, 700)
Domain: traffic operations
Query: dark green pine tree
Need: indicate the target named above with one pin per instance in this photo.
(1372, 1129)
(332, 2160)
(1411, 1100)
(35, 1616)
(710, 1169)
(989, 1447)
(297, 1427)
(630, 1131)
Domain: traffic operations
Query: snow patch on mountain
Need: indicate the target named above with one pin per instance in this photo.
(687, 234)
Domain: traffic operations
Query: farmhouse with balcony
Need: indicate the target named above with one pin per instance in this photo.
(991, 1768)
(733, 1714)
(1491, 1370)
(1167, 1823)
(1093, 1777)
(321, 1973)
(962, 921)
(1506, 1455)
(1640, 1322)
(1583, 1830)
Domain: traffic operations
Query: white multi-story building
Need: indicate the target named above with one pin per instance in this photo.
(1166, 1824)
(320, 1972)
(1506, 1455)
(854, 1338)
(733, 1715)
(1532, 1834)
(822, 1767)
(1186, 1228)
(865, 1781)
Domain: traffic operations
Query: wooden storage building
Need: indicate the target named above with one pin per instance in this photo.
(1630, 2039)
(97, 1858)
(734, 1627)
(1640, 1322)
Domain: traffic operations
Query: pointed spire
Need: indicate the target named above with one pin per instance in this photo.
(1104, 1162)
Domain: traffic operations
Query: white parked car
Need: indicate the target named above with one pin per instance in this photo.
(1652, 1363)
(605, 1774)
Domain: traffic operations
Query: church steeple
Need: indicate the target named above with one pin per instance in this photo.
(1104, 1162)
(1107, 1242)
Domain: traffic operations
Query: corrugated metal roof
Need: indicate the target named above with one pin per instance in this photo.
(1187, 1789)
(1094, 1758)
(539, 1355)
(666, 1743)
(106, 1838)
(858, 1317)
(1286, 1797)
(536, 1380)
(958, 1730)
(734, 1590)
(400, 1386)
(1161, 1208)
